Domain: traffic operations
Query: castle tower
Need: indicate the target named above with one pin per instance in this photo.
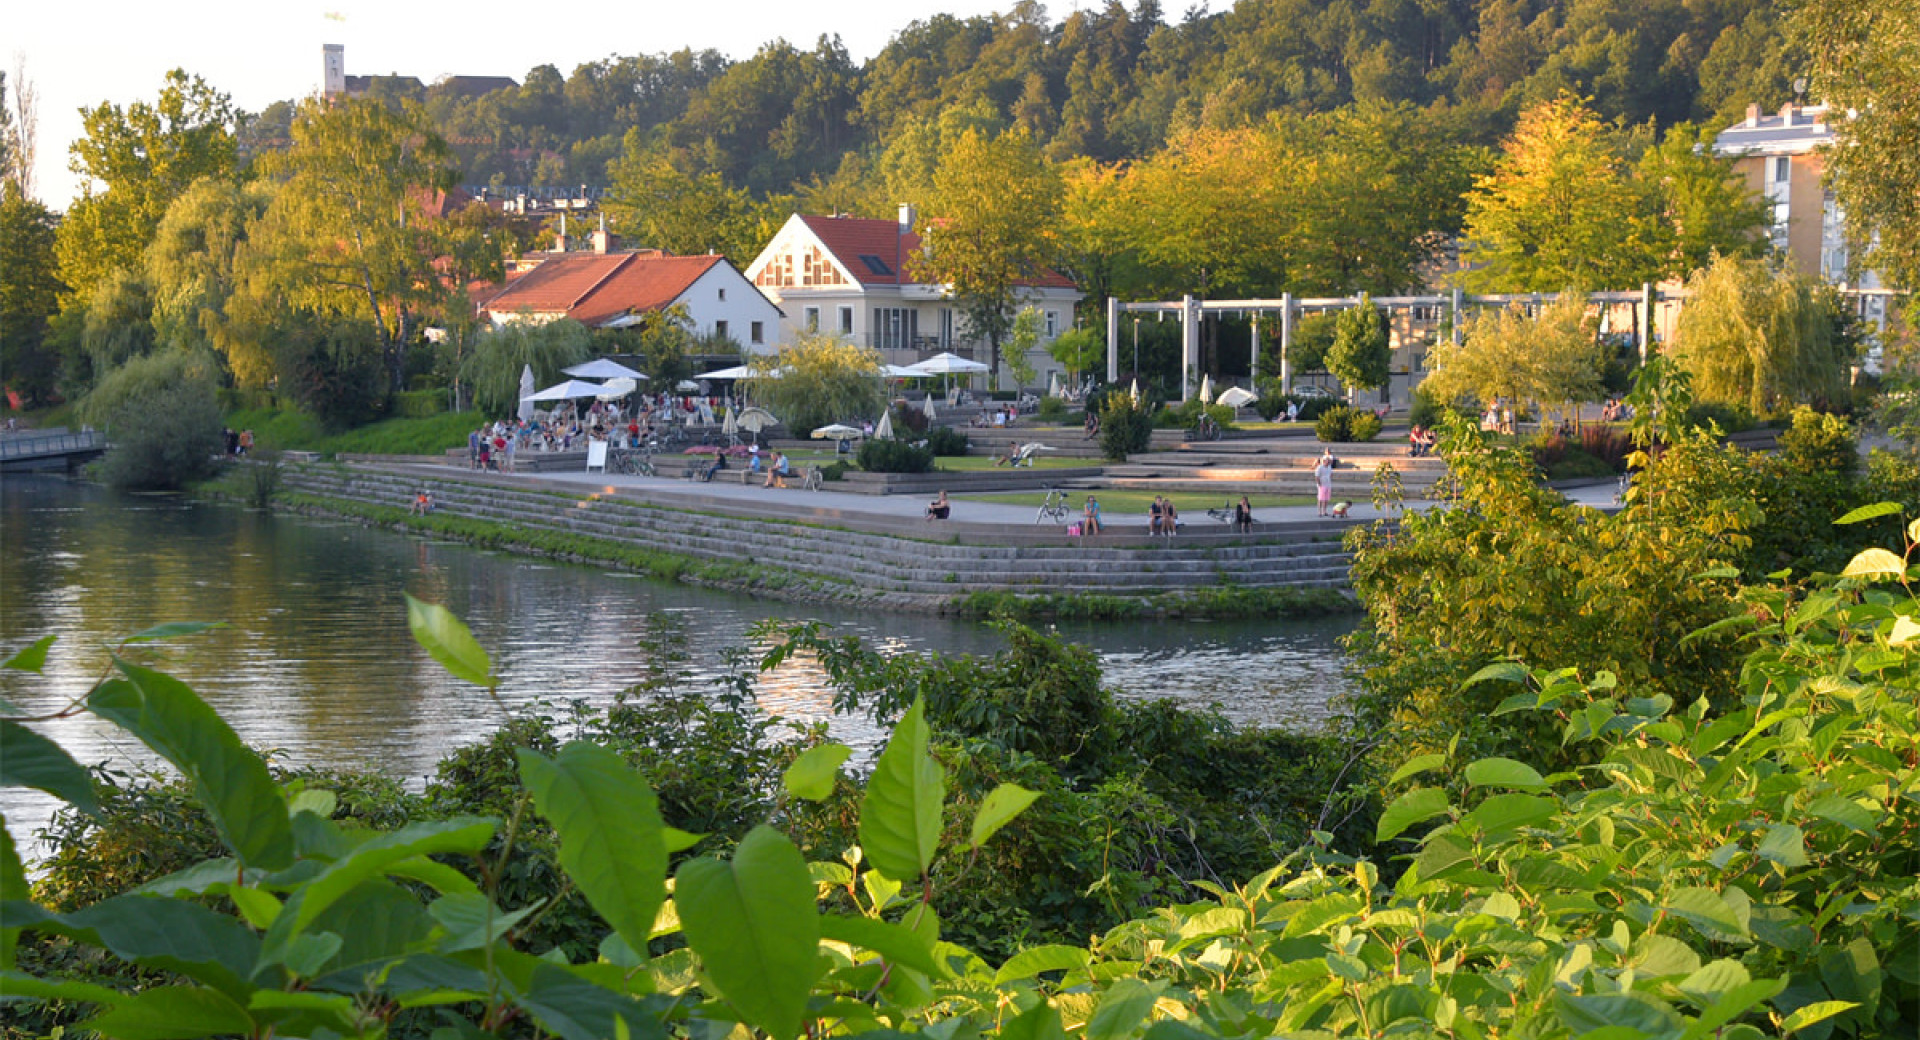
(333, 81)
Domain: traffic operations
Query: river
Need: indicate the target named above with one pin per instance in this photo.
(316, 661)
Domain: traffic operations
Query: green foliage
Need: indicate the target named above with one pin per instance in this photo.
(1052, 410)
(946, 441)
(1361, 350)
(161, 420)
(1728, 418)
(821, 380)
(1125, 427)
(894, 456)
(419, 404)
(1081, 349)
(331, 369)
(29, 285)
(1341, 424)
(499, 357)
(1820, 443)
(1509, 355)
(1023, 338)
(1762, 336)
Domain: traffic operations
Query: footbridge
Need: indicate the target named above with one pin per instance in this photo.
(49, 450)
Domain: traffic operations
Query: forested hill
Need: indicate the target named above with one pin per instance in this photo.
(1109, 83)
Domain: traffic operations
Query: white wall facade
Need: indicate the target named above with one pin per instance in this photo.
(723, 300)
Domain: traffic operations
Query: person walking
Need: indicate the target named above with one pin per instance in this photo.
(1323, 479)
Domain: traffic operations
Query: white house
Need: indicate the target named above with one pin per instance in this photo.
(852, 277)
(610, 290)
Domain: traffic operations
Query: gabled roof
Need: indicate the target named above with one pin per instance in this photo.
(877, 252)
(594, 288)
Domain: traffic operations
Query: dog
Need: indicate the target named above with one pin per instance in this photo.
(1340, 509)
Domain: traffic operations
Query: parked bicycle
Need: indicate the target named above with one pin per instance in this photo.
(813, 479)
(634, 462)
(1056, 508)
(1205, 429)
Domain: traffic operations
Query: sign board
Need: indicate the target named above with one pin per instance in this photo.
(596, 456)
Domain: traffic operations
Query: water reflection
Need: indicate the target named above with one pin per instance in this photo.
(316, 659)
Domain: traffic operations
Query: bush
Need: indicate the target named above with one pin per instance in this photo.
(1820, 443)
(910, 418)
(1186, 415)
(162, 418)
(893, 456)
(332, 370)
(1731, 418)
(1343, 424)
(1427, 409)
(419, 404)
(1124, 428)
(1311, 408)
(1271, 403)
(1052, 409)
(1609, 444)
(946, 441)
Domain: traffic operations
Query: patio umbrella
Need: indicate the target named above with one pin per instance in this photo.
(727, 424)
(741, 372)
(569, 389)
(526, 390)
(753, 420)
(946, 365)
(601, 368)
(927, 407)
(836, 432)
(901, 372)
(616, 389)
(686, 386)
(1136, 390)
(1206, 388)
(1055, 388)
(1237, 397)
(884, 431)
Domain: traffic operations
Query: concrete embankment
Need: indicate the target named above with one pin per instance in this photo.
(823, 556)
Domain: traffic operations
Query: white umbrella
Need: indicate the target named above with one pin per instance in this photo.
(686, 385)
(569, 389)
(727, 424)
(884, 431)
(742, 372)
(1237, 397)
(601, 368)
(753, 420)
(1055, 388)
(946, 365)
(1206, 388)
(1136, 390)
(901, 372)
(526, 391)
(927, 407)
(836, 432)
(616, 389)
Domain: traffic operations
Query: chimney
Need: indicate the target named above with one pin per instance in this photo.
(1753, 115)
(560, 240)
(603, 240)
(1787, 112)
(907, 216)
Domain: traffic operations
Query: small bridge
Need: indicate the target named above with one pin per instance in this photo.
(49, 449)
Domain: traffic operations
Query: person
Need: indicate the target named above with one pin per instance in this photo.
(419, 507)
(509, 447)
(1093, 424)
(1005, 458)
(231, 438)
(754, 466)
(777, 471)
(719, 463)
(1323, 479)
(246, 442)
(939, 508)
(1154, 515)
(1293, 411)
(1090, 517)
(1413, 440)
(1169, 518)
(1243, 516)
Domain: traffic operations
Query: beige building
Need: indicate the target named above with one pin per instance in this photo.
(1783, 158)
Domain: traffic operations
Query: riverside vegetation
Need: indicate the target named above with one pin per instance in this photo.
(1685, 810)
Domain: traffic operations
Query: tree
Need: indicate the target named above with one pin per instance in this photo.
(1509, 354)
(500, 355)
(1080, 350)
(1863, 60)
(29, 286)
(348, 233)
(1361, 350)
(1759, 335)
(818, 380)
(1020, 342)
(133, 164)
(1558, 209)
(19, 129)
(655, 204)
(992, 225)
(191, 276)
(1701, 206)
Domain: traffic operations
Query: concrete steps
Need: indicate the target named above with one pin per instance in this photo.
(875, 563)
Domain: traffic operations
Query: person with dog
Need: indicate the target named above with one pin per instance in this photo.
(1323, 479)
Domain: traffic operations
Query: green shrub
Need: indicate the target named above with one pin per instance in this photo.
(1343, 424)
(1731, 418)
(1427, 409)
(1820, 443)
(835, 470)
(909, 418)
(419, 404)
(1271, 403)
(946, 441)
(165, 435)
(1125, 428)
(894, 456)
(1576, 464)
(1052, 409)
(332, 370)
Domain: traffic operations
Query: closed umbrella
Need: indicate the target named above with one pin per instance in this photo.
(753, 420)
(1055, 388)
(884, 431)
(1206, 389)
(727, 424)
(601, 368)
(1136, 390)
(927, 407)
(526, 391)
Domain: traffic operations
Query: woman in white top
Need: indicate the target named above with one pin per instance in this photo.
(1323, 479)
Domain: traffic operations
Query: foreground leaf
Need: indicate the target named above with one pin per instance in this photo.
(28, 759)
(609, 824)
(173, 1013)
(447, 640)
(755, 927)
(998, 809)
(30, 658)
(1421, 803)
(811, 775)
(900, 815)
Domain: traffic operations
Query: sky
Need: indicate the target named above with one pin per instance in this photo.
(262, 51)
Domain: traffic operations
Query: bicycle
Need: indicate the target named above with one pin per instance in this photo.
(813, 480)
(634, 462)
(1224, 514)
(1056, 508)
(1205, 429)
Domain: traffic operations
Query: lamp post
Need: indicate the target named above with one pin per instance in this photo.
(1136, 346)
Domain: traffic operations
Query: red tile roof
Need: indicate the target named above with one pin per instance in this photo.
(593, 288)
(851, 238)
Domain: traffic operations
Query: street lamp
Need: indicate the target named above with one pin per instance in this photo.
(1136, 346)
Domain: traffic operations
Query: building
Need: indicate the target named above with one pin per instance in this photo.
(607, 288)
(853, 277)
(1783, 158)
(334, 81)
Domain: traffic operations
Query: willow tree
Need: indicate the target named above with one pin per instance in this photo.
(349, 233)
(190, 276)
(500, 355)
(819, 379)
(1555, 358)
(1759, 335)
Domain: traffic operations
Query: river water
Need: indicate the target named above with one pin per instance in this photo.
(316, 660)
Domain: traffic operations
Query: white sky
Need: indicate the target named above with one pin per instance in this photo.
(261, 51)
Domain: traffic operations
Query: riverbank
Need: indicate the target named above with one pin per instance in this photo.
(837, 559)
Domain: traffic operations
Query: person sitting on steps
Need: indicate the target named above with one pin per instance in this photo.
(1243, 516)
(939, 508)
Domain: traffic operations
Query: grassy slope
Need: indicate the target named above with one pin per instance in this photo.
(297, 431)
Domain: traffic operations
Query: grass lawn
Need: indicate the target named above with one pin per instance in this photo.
(289, 430)
(1189, 503)
(981, 463)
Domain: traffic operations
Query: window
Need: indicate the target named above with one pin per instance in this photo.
(719, 330)
(758, 333)
(723, 294)
(875, 264)
(818, 269)
(1781, 168)
(846, 321)
(1053, 320)
(946, 327)
(893, 327)
(813, 319)
(778, 273)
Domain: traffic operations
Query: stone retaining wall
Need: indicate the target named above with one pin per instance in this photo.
(848, 564)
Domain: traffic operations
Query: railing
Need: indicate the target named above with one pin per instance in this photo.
(26, 446)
